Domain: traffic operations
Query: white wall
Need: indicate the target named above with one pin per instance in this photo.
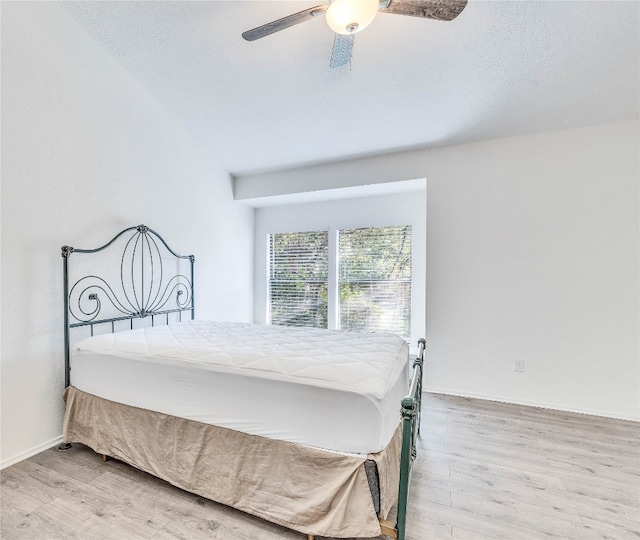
(87, 152)
(377, 211)
(533, 255)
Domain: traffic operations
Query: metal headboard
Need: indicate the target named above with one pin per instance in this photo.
(144, 289)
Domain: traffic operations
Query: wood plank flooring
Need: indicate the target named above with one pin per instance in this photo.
(485, 471)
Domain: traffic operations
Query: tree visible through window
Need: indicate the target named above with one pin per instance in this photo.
(372, 269)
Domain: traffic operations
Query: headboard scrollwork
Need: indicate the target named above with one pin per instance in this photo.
(147, 283)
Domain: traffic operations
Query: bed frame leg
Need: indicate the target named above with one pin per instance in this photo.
(64, 447)
(310, 537)
(388, 529)
(104, 458)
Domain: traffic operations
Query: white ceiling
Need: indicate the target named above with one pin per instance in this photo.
(501, 68)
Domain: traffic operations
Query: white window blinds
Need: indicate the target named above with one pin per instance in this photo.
(298, 270)
(374, 279)
(372, 270)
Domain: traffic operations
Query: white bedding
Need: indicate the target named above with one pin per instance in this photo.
(334, 390)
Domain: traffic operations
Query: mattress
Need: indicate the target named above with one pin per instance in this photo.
(334, 390)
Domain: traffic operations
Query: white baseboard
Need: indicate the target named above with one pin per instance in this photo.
(528, 403)
(31, 452)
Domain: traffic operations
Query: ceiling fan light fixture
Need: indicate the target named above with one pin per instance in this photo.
(350, 16)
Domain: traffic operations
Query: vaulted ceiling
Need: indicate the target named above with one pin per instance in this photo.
(501, 68)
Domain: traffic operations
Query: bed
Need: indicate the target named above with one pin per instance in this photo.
(311, 429)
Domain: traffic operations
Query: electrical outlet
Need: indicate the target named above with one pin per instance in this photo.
(518, 365)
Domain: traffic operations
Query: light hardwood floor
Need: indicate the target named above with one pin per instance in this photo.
(484, 471)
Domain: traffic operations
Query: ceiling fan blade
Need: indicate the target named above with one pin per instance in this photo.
(342, 49)
(285, 22)
(441, 10)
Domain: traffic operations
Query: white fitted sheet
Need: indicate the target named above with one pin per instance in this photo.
(339, 391)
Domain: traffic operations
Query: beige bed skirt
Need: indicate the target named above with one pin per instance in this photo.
(307, 489)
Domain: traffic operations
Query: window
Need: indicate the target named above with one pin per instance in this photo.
(298, 271)
(375, 279)
(367, 283)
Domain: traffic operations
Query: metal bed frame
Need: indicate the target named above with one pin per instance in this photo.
(145, 292)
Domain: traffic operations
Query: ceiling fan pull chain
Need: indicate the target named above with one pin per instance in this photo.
(342, 49)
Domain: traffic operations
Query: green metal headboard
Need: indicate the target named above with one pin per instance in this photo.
(144, 288)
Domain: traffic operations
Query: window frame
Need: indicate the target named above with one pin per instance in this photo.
(333, 272)
(271, 281)
(389, 281)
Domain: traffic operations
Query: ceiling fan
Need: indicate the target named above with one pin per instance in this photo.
(347, 17)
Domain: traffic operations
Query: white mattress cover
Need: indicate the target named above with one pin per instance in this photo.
(335, 390)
